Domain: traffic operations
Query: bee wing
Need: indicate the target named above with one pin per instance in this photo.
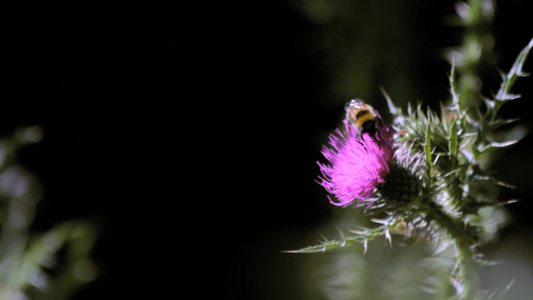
(354, 103)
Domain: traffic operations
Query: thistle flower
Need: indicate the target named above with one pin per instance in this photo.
(359, 162)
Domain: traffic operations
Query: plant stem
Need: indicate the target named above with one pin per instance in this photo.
(477, 15)
(467, 278)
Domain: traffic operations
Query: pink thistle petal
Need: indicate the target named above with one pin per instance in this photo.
(358, 163)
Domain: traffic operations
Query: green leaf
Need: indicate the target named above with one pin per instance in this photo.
(506, 139)
(362, 237)
(452, 141)
(427, 147)
(455, 96)
(499, 122)
(503, 94)
(493, 145)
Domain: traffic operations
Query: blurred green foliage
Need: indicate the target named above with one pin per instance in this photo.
(49, 265)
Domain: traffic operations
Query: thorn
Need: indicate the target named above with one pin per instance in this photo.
(388, 237)
(508, 202)
(323, 238)
(361, 232)
(290, 251)
(392, 108)
(505, 184)
(508, 286)
(358, 232)
(341, 234)
(384, 222)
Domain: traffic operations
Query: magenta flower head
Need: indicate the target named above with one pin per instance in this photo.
(359, 156)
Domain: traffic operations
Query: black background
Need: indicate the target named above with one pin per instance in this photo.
(190, 136)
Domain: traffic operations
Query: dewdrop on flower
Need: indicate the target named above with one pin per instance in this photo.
(359, 156)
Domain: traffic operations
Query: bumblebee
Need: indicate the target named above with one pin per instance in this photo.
(362, 117)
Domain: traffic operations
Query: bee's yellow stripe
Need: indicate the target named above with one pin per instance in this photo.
(363, 116)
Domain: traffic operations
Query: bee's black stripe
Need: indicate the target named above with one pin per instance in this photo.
(361, 113)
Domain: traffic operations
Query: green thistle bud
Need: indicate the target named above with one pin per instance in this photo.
(400, 187)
